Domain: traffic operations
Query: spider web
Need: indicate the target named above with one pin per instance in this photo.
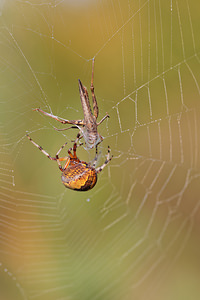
(136, 234)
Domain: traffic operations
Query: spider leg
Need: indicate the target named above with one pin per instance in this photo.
(108, 158)
(67, 158)
(40, 148)
(94, 100)
(95, 159)
(61, 149)
(47, 154)
(66, 164)
(61, 120)
(74, 150)
(78, 137)
(61, 158)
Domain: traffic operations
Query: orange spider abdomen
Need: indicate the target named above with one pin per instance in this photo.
(79, 177)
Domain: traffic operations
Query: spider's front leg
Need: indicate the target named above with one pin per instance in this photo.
(58, 159)
(40, 148)
(78, 137)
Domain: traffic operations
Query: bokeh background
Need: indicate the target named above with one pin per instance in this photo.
(136, 234)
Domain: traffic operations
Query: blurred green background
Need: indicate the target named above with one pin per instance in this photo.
(136, 234)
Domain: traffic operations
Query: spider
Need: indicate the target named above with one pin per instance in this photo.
(89, 123)
(76, 174)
